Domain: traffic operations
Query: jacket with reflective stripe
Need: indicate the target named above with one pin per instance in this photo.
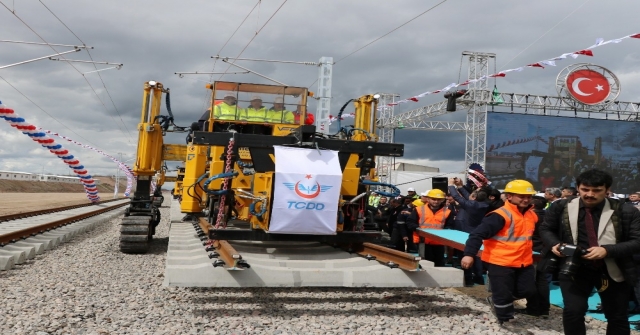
(430, 220)
(283, 116)
(254, 115)
(512, 246)
(225, 112)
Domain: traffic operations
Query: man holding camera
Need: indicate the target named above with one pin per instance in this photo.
(593, 239)
(508, 249)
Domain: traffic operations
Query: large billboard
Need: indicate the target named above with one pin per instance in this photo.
(549, 151)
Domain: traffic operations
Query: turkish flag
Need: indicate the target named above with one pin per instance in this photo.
(536, 65)
(635, 36)
(584, 52)
(588, 86)
(413, 99)
(499, 74)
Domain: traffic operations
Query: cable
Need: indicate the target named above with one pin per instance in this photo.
(543, 35)
(94, 65)
(254, 36)
(225, 44)
(52, 48)
(383, 36)
(398, 27)
(51, 116)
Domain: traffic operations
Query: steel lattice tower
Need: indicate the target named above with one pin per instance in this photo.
(384, 165)
(476, 133)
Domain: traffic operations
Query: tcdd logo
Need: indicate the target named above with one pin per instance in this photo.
(307, 191)
(305, 205)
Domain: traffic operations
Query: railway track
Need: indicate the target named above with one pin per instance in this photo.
(10, 217)
(22, 238)
(192, 260)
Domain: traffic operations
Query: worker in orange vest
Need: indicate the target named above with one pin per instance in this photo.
(508, 249)
(309, 118)
(432, 215)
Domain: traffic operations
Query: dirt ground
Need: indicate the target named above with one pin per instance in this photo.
(18, 196)
(105, 186)
(11, 203)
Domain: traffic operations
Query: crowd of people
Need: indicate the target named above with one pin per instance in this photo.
(584, 238)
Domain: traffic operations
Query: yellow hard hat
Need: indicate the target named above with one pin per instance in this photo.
(436, 194)
(519, 186)
(417, 203)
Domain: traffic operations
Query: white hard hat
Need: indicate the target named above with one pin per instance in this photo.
(279, 100)
(411, 189)
(256, 97)
(424, 194)
(229, 95)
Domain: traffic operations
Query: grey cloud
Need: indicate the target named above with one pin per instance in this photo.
(155, 41)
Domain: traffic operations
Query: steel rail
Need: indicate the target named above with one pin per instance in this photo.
(10, 217)
(227, 256)
(230, 259)
(31, 231)
(389, 257)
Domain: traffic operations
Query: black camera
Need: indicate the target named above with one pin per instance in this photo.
(573, 258)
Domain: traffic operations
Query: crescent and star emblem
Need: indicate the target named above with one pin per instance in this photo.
(306, 190)
(588, 86)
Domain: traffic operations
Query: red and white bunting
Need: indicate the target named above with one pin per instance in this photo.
(503, 73)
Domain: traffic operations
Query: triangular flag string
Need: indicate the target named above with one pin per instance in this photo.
(121, 166)
(540, 64)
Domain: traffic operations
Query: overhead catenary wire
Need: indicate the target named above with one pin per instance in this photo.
(97, 71)
(52, 48)
(543, 35)
(44, 111)
(225, 44)
(386, 34)
(255, 35)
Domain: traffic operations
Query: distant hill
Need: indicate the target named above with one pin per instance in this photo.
(18, 186)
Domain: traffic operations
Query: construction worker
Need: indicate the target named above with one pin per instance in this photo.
(308, 120)
(432, 215)
(422, 200)
(255, 112)
(411, 193)
(227, 109)
(278, 113)
(507, 233)
(374, 200)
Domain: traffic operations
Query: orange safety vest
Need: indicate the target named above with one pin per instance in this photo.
(512, 246)
(430, 220)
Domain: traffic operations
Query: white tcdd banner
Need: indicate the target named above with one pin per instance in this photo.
(306, 192)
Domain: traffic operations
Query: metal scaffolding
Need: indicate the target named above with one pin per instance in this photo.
(476, 102)
(384, 164)
(476, 132)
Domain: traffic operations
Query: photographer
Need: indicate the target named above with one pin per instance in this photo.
(593, 239)
(507, 234)
(473, 208)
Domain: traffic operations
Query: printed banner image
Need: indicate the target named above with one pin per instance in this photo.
(307, 191)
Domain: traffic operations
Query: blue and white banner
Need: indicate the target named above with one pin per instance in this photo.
(306, 192)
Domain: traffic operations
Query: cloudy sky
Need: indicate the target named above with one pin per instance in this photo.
(155, 39)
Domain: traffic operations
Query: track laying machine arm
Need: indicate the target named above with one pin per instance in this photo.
(142, 216)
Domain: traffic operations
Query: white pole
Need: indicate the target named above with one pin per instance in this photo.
(115, 189)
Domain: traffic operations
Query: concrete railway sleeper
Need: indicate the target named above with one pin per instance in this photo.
(22, 239)
(194, 260)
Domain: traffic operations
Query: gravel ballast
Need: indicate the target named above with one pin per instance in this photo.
(86, 286)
